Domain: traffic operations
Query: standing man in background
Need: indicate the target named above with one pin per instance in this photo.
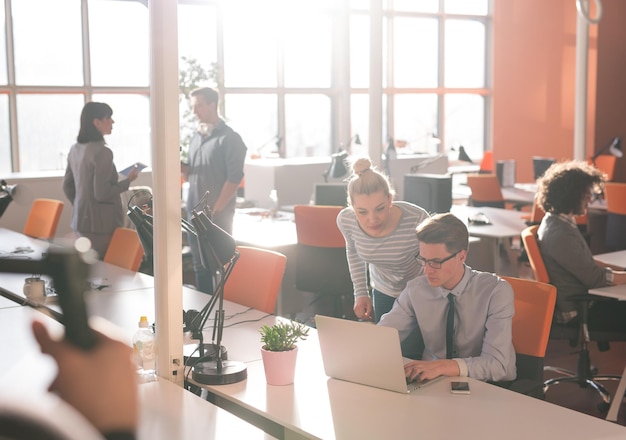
(216, 158)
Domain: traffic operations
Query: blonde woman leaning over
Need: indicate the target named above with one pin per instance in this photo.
(380, 234)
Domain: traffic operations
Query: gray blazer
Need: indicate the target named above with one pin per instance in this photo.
(91, 184)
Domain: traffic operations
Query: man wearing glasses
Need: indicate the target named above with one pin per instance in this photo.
(465, 316)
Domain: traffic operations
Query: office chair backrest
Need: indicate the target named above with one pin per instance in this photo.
(615, 194)
(486, 190)
(606, 163)
(316, 225)
(534, 307)
(125, 249)
(529, 237)
(43, 218)
(256, 278)
(536, 213)
(486, 164)
(321, 263)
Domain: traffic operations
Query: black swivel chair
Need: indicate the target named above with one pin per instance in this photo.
(321, 264)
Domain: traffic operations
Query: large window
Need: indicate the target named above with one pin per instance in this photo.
(94, 50)
(294, 75)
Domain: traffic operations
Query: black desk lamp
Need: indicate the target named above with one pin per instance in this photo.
(356, 139)
(338, 167)
(463, 156)
(139, 208)
(218, 255)
(7, 193)
(276, 140)
(614, 147)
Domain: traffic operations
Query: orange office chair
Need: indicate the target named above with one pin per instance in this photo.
(605, 163)
(579, 334)
(125, 249)
(43, 218)
(615, 194)
(486, 190)
(534, 307)
(256, 278)
(535, 215)
(486, 164)
(321, 265)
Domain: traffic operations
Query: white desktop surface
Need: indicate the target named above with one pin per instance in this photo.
(167, 411)
(505, 224)
(617, 292)
(257, 227)
(316, 406)
(617, 258)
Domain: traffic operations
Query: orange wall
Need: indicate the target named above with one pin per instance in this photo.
(534, 79)
(610, 117)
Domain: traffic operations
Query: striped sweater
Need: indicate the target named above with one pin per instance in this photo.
(391, 259)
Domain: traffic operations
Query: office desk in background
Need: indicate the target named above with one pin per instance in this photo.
(505, 224)
(617, 258)
(522, 194)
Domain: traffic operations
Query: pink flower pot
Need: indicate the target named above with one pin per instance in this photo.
(280, 366)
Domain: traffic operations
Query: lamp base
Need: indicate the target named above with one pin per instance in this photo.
(209, 373)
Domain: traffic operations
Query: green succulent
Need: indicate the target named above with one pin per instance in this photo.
(283, 336)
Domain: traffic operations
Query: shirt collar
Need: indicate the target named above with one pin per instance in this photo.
(460, 287)
(568, 219)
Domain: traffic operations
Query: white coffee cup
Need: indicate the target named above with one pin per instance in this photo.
(35, 289)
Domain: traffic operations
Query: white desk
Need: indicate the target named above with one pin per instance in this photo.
(617, 258)
(520, 194)
(505, 224)
(167, 411)
(104, 277)
(316, 407)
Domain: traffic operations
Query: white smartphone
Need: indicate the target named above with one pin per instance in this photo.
(459, 387)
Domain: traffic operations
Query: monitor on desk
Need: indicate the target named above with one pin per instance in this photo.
(335, 194)
(541, 164)
(433, 192)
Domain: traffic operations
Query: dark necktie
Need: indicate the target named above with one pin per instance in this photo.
(450, 327)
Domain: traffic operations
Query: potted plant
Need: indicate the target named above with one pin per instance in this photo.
(279, 350)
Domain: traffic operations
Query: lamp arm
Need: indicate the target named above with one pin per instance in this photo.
(423, 164)
(612, 142)
(218, 295)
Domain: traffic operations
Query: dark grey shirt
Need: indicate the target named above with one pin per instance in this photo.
(214, 160)
(568, 260)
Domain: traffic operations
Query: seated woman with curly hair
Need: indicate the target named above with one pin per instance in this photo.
(564, 192)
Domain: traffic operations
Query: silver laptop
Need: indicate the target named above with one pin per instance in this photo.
(363, 353)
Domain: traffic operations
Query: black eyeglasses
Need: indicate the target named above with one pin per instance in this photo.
(434, 263)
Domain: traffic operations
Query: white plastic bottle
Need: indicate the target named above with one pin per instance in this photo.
(274, 203)
(145, 351)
